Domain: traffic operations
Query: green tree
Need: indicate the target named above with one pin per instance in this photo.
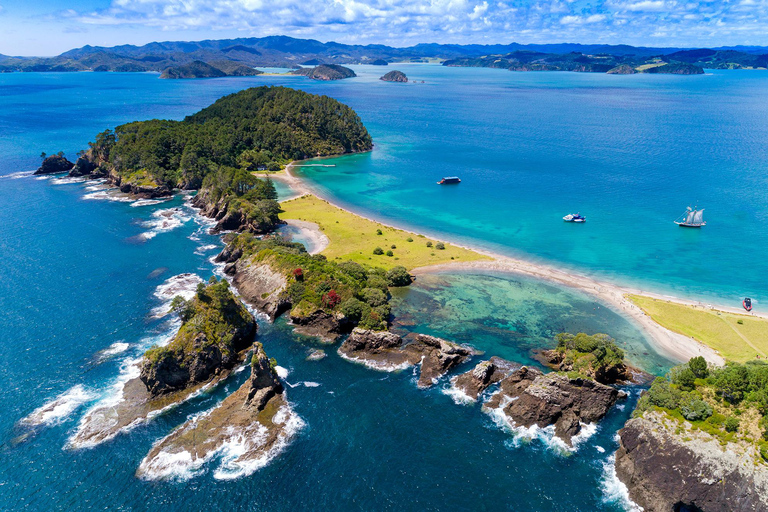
(698, 366)
(398, 276)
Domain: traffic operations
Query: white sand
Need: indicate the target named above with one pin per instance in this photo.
(311, 231)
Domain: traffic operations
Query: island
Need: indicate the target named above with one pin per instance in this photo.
(394, 76)
(54, 164)
(325, 72)
(379, 62)
(200, 69)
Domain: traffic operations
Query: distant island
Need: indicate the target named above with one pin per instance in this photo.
(325, 72)
(199, 69)
(394, 76)
(287, 52)
(579, 62)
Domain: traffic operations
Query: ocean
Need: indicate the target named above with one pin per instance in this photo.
(86, 279)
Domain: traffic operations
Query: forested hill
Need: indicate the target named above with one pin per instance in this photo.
(217, 149)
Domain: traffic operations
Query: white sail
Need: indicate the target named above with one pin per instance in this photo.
(698, 218)
(689, 218)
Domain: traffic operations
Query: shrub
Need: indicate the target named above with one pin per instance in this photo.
(378, 251)
(684, 378)
(698, 366)
(695, 409)
(353, 309)
(390, 253)
(374, 297)
(440, 246)
(398, 276)
(298, 274)
(429, 244)
(409, 239)
(393, 246)
(378, 232)
(331, 299)
(731, 424)
(354, 270)
(662, 395)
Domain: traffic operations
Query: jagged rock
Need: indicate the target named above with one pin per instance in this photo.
(316, 355)
(387, 351)
(668, 466)
(54, 164)
(394, 76)
(485, 374)
(227, 218)
(321, 324)
(261, 287)
(528, 397)
(256, 417)
(609, 374)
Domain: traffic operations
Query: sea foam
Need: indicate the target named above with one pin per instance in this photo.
(60, 409)
(163, 221)
(614, 490)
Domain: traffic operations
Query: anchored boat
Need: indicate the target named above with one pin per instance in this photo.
(691, 218)
(747, 303)
(575, 217)
(450, 180)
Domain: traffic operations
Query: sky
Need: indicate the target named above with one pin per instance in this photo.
(49, 27)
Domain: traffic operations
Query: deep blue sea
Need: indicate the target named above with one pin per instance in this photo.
(84, 277)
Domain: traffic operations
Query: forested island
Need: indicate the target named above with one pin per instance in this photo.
(199, 69)
(325, 72)
(394, 76)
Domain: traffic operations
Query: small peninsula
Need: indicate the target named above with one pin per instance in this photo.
(394, 76)
(325, 72)
(200, 69)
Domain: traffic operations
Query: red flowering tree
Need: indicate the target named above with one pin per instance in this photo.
(298, 274)
(331, 299)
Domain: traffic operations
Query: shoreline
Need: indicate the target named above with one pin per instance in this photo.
(671, 344)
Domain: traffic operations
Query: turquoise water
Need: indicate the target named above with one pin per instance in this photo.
(84, 276)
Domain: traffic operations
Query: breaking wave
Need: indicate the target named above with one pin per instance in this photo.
(60, 409)
(614, 490)
(164, 221)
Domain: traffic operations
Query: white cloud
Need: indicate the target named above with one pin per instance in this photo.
(596, 18)
(647, 5)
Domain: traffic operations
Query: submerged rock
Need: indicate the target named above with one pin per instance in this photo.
(250, 426)
(387, 351)
(484, 375)
(527, 397)
(54, 164)
(667, 466)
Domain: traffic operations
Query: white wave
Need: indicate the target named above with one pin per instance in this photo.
(109, 195)
(231, 468)
(18, 175)
(376, 365)
(599, 449)
(205, 248)
(614, 490)
(184, 285)
(59, 409)
(67, 180)
(457, 395)
(40, 178)
(310, 384)
(281, 372)
(148, 202)
(164, 221)
(97, 187)
(112, 350)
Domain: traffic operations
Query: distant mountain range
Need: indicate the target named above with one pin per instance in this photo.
(283, 51)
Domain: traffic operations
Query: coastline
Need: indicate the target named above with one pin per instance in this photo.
(671, 344)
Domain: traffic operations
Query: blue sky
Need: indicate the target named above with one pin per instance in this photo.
(48, 27)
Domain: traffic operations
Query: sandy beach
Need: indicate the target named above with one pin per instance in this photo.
(311, 231)
(671, 344)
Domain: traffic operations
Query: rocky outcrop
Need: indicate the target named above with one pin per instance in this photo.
(325, 72)
(256, 418)
(54, 164)
(387, 351)
(668, 466)
(607, 374)
(326, 326)
(229, 217)
(484, 375)
(394, 76)
(622, 69)
(261, 286)
(527, 397)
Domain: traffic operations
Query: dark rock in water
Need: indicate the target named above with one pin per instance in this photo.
(394, 76)
(325, 72)
(256, 418)
(54, 164)
(379, 62)
(485, 374)
(668, 466)
(326, 326)
(528, 397)
(387, 351)
(316, 355)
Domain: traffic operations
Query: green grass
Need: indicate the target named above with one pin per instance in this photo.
(354, 238)
(716, 329)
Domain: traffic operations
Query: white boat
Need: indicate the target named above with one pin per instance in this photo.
(574, 217)
(691, 218)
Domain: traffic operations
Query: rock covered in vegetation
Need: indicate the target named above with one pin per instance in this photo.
(256, 419)
(676, 68)
(668, 468)
(394, 76)
(54, 164)
(527, 397)
(388, 351)
(325, 72)
(622, 69)
(194, 69)
(379, 62)
(216, 328)
(484, 375)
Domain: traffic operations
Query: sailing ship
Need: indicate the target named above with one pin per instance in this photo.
(691, 218)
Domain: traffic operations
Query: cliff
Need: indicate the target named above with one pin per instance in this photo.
(394, 76)
(667, 465)
(325, 72)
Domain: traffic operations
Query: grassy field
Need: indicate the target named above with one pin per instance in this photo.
(737, 337)
(354, 238)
